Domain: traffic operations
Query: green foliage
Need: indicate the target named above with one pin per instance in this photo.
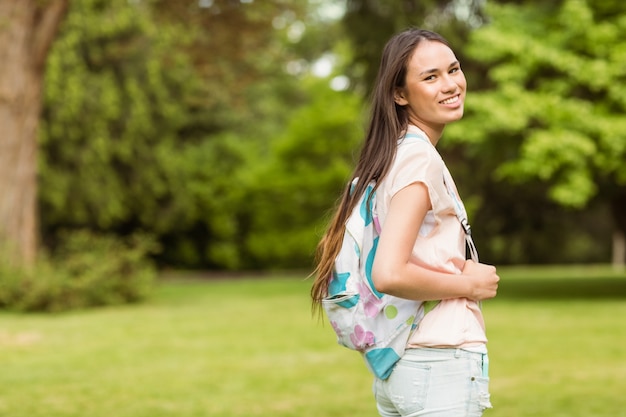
(556, 94)
(295, 187)
(115, 88)
(145, 130)
(210, 176)
(86, 270)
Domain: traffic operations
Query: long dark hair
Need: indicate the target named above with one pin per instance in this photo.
(387, 122)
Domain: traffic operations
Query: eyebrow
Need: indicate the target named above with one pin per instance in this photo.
(435, 70)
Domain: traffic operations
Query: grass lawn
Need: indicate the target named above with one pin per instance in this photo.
(249, 347)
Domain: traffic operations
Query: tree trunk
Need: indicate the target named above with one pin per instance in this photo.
(619, 250)
(27, 29)
(618, 208)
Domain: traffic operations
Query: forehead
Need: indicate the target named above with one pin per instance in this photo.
(429, 55)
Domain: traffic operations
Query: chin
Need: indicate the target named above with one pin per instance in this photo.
(457, 115)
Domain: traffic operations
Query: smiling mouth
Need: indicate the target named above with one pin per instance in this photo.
(450, 100)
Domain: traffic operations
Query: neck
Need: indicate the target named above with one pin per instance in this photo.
(432, 132)
(434, 137)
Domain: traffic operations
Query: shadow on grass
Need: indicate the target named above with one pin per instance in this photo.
(578, 288)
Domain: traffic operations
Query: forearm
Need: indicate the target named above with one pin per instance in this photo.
(414, 282)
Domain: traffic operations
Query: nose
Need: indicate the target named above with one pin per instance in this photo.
(449, 84)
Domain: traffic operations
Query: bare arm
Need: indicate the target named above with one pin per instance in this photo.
(394, 273)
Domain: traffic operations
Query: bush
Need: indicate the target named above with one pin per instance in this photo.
(84, 270)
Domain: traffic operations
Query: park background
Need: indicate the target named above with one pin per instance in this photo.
(176, 162)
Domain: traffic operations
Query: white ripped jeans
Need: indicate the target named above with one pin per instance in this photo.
(435, 383)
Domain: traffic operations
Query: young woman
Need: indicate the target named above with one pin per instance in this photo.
(421, 252)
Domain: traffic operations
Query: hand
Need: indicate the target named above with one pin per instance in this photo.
(483, 280)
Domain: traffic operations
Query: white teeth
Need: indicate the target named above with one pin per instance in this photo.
(450, 100)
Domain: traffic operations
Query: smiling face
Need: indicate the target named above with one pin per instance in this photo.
(434, 90)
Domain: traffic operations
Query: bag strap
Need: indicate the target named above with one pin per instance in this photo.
(461, 214)
(369, 199)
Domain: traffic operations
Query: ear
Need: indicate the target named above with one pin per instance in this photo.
(398, 97)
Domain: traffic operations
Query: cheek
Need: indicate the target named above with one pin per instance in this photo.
(424, 92)
(463, 82)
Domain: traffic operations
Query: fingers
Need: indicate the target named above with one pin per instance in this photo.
(484, 280)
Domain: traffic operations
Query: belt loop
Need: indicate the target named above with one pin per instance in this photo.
(457, 353)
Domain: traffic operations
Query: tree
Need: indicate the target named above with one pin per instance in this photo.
(162, 107)
(233, 46)
(27, 30)
(123, 108)
(553, 109)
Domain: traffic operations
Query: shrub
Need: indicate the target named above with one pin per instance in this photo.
(84, 270)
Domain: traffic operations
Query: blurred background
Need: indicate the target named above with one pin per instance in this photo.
(216, 135)
(147, 145)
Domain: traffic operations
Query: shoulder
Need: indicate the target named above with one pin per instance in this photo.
(413, 152)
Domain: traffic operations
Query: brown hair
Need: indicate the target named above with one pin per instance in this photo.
(387, 122)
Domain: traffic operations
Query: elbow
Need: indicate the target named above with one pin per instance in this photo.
(382, 279)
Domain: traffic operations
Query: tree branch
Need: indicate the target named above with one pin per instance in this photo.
(46, 21)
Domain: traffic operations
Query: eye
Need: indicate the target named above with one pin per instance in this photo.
(429, 78)
(455, 69)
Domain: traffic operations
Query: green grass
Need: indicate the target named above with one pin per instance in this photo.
(249, 347)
